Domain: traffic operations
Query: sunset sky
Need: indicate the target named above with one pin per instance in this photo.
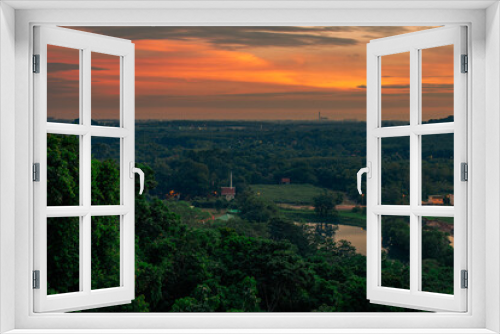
(248, 73)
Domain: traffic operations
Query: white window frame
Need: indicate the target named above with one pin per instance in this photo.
(86, 44)
(483, 125)
(413, 44)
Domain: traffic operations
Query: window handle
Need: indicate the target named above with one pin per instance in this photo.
(368, 171)
(134, 170)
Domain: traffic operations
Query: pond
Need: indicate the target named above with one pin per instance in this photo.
(355, 235)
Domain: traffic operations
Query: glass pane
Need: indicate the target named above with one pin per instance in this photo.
(63, 170)
(396, 251)
(396, 171)
(105, 171)
(437, 170)
(395, 91)
(105, 252)
(437, 84)
(63, 84)
(437, 254)
(105, 89)
(63, 255)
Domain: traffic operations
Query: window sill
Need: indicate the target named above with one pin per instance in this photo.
(251, 331)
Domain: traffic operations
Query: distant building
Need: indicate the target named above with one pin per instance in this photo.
(173, 196)
(321, 118)
(229, 192)
(440, 200)
(435, 200)
(285, 180)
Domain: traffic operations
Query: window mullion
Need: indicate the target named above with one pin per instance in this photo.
(414, 169)
(81, 230)
(86, 177)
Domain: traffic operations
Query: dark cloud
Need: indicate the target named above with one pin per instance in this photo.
(388, 86)
(61, 67)
(240, 37)
(95, 68)
(424, 86)
(234, 37)
(437, 86)
(396, 86)
(60, 86)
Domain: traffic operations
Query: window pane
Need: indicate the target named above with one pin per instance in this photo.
(437, 84)
(105, 252)
(395, 90)
(437, 254)
(63, 168)
(105, 89)
(105, 171)
(396, 171)
(396, 251)
(63, 84)
(63, 255)
(437, 170)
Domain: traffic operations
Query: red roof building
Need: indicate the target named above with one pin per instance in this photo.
(224, 191)
(229, 192)
(285, 180)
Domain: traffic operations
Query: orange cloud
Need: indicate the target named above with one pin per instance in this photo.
(211, 74)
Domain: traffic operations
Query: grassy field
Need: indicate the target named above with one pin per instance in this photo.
(447, 220)
(297, 194)
(303, 194)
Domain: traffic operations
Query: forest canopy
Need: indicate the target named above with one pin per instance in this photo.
(260, 258)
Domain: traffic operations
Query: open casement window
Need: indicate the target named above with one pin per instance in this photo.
(404, 73)
(83, 170)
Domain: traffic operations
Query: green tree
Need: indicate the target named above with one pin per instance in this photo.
(191, 179)
(254, 208)
(324, 204)
(284, 229)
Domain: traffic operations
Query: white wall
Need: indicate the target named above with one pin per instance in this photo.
(221, 17)
(7, 163)
(492, 147)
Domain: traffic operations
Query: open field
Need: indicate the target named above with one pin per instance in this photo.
(298, 194)
(447, 220)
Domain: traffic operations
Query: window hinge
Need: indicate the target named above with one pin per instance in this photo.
(36, 172)
(465, 64)
(465, 279)
(464, 170)
(36, 279)
(36, 63)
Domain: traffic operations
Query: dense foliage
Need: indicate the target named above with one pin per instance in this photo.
(257, 261)
(194, 158)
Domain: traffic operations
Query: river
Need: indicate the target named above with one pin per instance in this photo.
(357, 236)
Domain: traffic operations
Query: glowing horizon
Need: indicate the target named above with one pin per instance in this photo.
(241, 73)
